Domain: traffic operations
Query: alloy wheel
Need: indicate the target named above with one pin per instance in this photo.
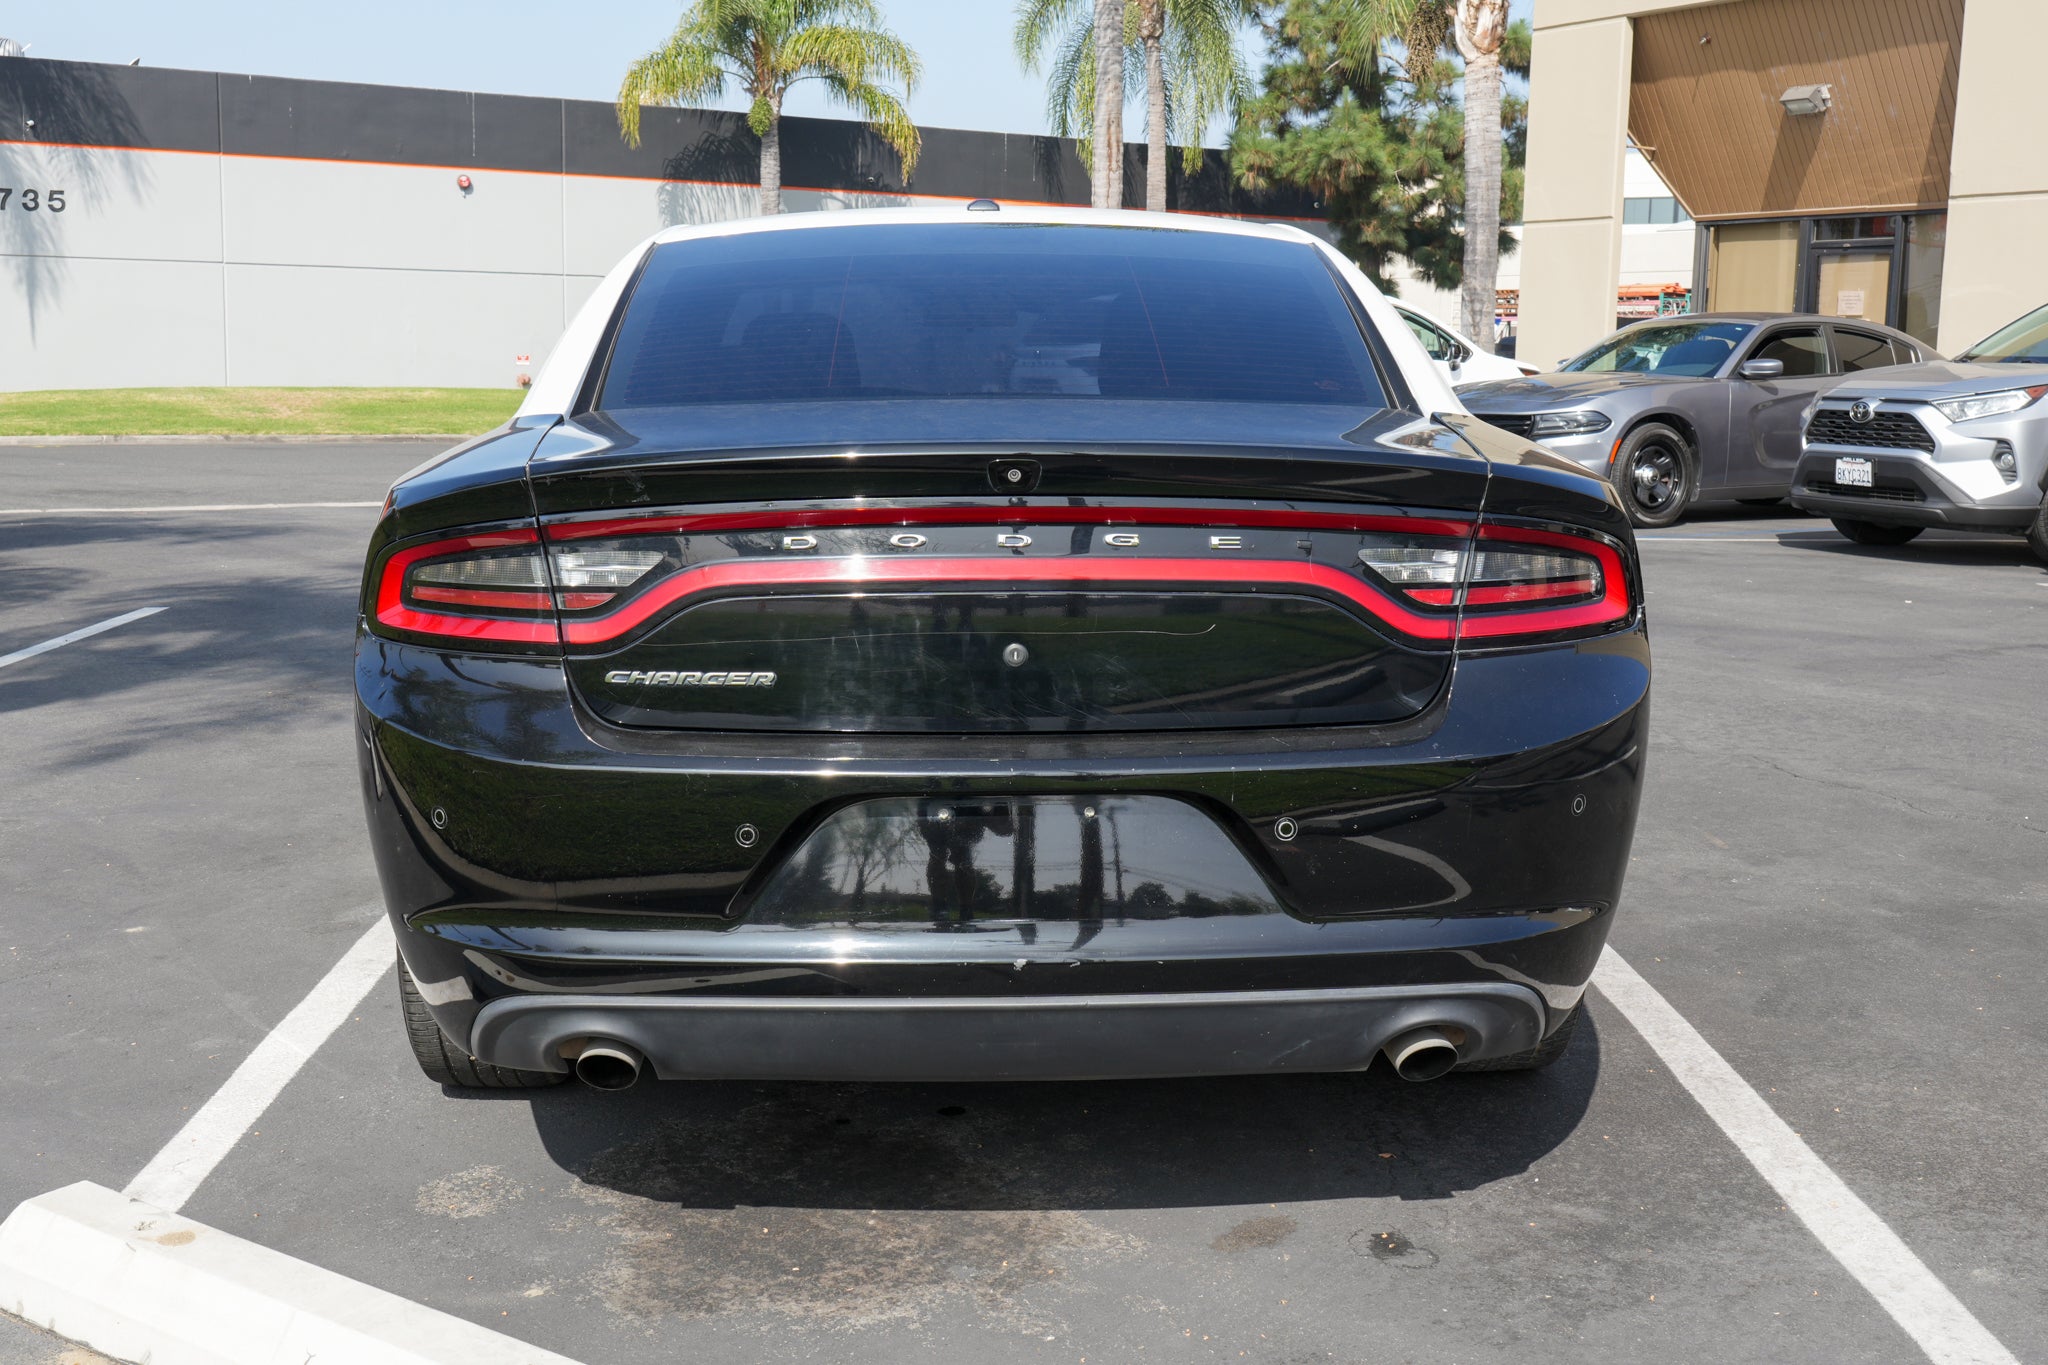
(1656, 479)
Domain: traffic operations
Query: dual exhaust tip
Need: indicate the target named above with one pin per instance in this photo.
(603, 1064)
(1424, 1054)
(1420, 1054)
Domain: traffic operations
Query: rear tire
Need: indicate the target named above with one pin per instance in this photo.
(1873, 533)
(1656, 475)
(448, 1064)
(1537, 1057)
(2037, 534)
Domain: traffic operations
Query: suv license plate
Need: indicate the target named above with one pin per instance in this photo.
(1852, 473)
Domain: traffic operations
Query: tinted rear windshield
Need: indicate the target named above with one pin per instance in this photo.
(966, 310)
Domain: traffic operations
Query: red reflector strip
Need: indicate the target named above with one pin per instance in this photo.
(1017, 573)
(1612, 604)
(1499, 594)
(1008, 516)
(488, 598)
(395, 614)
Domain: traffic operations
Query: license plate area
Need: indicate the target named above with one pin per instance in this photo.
(1009, 864)
(1852, 473)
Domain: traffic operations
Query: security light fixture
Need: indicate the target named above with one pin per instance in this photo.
(1807, 99)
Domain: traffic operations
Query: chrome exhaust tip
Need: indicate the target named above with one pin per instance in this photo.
(1423, 1054)
(606, 1065)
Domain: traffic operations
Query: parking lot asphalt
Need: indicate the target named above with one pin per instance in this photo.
(1839, 873)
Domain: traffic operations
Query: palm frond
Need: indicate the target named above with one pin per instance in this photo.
(1042, 24)
(1205, 74)
(883, 112)
(1070, 87)
(855, 64)
(686, 67)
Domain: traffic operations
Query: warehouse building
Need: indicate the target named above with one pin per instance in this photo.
(162, 227)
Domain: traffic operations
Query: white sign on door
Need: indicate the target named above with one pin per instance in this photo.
(1849, 303)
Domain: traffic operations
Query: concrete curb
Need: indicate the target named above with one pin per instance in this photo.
(137, 1283)
(427, 439)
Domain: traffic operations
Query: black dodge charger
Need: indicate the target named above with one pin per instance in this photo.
(991, 645)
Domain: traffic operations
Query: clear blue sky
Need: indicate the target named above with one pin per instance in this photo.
(517, 47)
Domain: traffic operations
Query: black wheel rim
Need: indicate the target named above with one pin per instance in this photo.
(1656, 479)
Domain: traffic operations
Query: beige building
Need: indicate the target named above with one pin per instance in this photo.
(1861, 158)
(1656, 254)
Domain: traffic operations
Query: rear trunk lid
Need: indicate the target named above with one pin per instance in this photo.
(1201, 572)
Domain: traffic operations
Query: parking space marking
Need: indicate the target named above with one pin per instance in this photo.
(187, 507)
(1720, 538)
(1863, 1242)
(174, 1173)
(1847, 1227)
(46, 646)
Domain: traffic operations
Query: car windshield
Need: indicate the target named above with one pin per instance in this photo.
(2022, 343)
(987, 310)
(1677, 348)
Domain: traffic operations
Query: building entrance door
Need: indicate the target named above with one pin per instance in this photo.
(1851, 266)
(1853, 282)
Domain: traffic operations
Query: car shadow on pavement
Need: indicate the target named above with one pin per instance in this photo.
(1057, 1146)
(1964, 550)
(250, 634)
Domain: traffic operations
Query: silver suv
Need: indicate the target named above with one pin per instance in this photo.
(1961, 443)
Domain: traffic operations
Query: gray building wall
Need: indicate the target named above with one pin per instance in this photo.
(221, 229)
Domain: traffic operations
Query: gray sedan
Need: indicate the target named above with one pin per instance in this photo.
(1705, 405)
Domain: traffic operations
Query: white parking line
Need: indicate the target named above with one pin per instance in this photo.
(1865, 1245)
(1861, 1241)
(189, 507)
(46, 646)
(209, 1135)
(1714, 538)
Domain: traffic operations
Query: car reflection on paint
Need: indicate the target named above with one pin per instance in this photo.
(1678, 409)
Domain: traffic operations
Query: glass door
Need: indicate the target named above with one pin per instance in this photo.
(1851, 267)
(1853, 282)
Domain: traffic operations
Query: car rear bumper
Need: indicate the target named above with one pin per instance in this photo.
(1064, 1037)
(551, 877)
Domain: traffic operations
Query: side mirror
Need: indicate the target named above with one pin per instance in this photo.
(1762, 369)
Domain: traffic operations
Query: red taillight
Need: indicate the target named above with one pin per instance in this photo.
(1510, 581)
(1574, 583)
(495, 586)
(1432, 580)
(483, 587)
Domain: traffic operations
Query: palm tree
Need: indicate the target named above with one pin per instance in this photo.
(1191, 71)
(1106, 184)
(769, 46)
(1478, 27)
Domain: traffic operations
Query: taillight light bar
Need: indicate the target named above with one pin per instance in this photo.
(1606, 595)
(400, 594)
(858, 572)
(1432, 580)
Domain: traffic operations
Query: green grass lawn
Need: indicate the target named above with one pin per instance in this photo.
(254, 412)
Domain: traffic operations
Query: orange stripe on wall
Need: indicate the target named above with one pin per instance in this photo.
(599, 175)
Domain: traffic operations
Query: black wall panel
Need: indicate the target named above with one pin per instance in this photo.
(142, 107)
(108, 106)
